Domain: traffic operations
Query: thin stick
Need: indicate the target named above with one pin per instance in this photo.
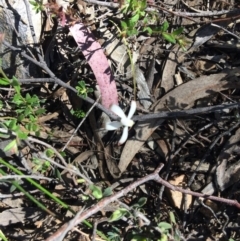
(85, 117)
(17, 177)
(57, 236)
(185, 113)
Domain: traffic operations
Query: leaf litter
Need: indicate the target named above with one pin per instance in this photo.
(205, 74)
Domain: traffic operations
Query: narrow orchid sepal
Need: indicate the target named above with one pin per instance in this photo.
(124, 136)
(114, 125)
(118, 111)
(132, 110)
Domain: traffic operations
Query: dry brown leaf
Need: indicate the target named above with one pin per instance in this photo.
(13, 202)
(175, 197)
(205, 65)
(83, 156)
(169, 70)
(18, 215)
(228, 176)
(182, 97)
(111, 163)
(160, 145)
(143, 90)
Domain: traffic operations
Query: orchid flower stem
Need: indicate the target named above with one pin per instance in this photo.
(132, 69)
(131, 61)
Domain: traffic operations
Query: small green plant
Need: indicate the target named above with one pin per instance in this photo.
(114, 234)
(40, 165)
(136, 20)
(37, 5)
(27, 110)
(82, 89)
(97, 191)
(133, 10)
(170, 231)
(78, 113)
(121, 212)
(174, 37)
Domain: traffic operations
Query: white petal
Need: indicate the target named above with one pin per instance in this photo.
(124, 136)
(132, 109)
(127, 122)
(118, 111)
(114, 125)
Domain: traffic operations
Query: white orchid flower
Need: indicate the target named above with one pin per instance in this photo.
(125, 120)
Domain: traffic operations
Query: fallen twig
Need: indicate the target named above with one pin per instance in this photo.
(57, 236)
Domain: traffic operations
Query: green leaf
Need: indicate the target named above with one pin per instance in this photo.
(169, 37)
(19, 111)
(164, 225)
(172, 217)
(22, 135)
(31, 127)
(124, 25)
(90, 90)
(164, 237)
(148, 30)
(33, 3)
(85, 197)
(37, 133)
(16, 84)
(11, 147)
(28, 126)
(58, 174)
(132, 32)
(118, 214)
(81, 180)
(27, 111)
(63, 153)
(4, 81)
(21, 117)
(40, 111)
(177, 236)
(142, 201)
(45, 166)
(165, 26)
(17, 99)
(157, 30)
(182, 42)
(143, 4)
(13, 125)
(49, 153)
(32, 118)
(133, 21)
(12, 188)
(96, 191)
(107, 192)
(82, 84)
(1, 105)
(178, 31)
(28, 97)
